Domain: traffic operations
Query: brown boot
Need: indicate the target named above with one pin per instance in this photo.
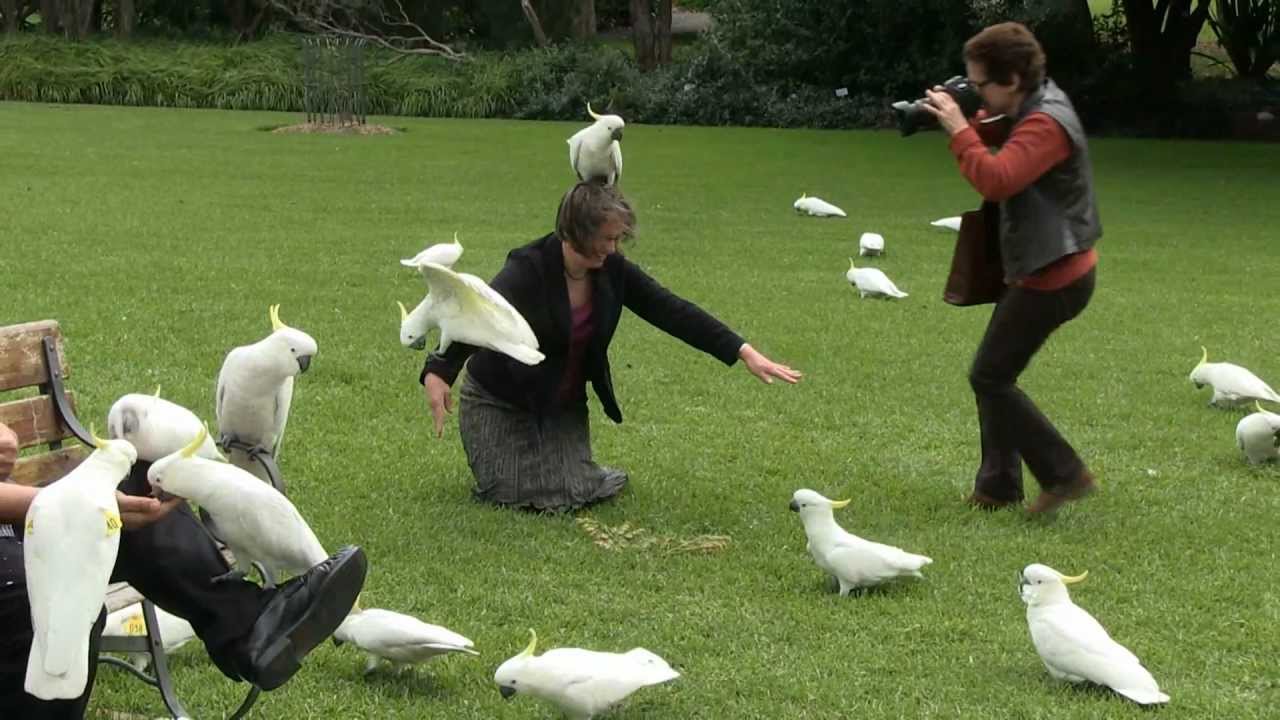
(1048, 502)
(986, 502)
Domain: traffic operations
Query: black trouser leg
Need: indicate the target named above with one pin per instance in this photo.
(1012, 428)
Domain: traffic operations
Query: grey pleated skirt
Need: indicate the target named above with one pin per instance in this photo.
(526, 460)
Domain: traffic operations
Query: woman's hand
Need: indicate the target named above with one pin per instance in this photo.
(8, 451)
(766, 369)
(439, 398)
(942, 106)
(137, 511)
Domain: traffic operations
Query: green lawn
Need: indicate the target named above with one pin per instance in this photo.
(158, 238)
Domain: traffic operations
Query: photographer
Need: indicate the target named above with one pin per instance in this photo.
(1042, 179)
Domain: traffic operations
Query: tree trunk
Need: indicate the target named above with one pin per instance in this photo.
(539, 35)
(584, 20)
(662, 32)
(9, 8)
(1162, 37)
(126, 18)
(642, 35)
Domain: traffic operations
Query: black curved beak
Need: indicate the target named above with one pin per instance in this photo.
(795, 506)
(304, 362)
(616, 135)
(419, 343)
(506, 692)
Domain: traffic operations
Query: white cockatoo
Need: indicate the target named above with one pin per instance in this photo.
(581, 683)
(156, 427)
(445, 254)
(817, 207)
(402, 640)
(129, 621)
(1258, 436)
(415, 324)
(871, 244)
(255, 391)
(872, 282)
(254, 519)
(595, 151)
(467, 310)
(855, 563)
(71, 536)
(1073, 646)
(1232, 385)
(947, 223)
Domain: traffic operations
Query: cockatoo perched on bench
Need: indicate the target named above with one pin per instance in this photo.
(467, 310)
(255, 391)
(72, 536)
(1232, 385)
(595, 152)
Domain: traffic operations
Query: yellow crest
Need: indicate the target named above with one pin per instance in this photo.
(274, 312)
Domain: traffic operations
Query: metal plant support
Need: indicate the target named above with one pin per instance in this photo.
(333, 81)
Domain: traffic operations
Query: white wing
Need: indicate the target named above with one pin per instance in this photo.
(616, 150)
(284, 399)
(575, 147)
(472, 312)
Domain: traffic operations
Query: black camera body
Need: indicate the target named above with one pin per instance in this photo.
(912, 117)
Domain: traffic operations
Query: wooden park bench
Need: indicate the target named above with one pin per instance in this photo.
(31, 356)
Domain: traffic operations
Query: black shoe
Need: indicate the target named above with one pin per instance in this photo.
(300, 615)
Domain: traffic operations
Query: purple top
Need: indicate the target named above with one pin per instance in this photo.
(573, 385)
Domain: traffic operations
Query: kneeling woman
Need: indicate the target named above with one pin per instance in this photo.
(525, 428)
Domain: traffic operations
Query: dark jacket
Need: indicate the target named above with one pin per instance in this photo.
(1057, 214)
(533, 281)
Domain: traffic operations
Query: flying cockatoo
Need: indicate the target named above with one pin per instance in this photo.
(1232, 385)
(445, 254)
(871, 244)
(128, 621)
(1073, 646)
(817, 207)
(255, 391)
(581, 683)
(467, 310)
(872, 282)
(1258, 436)
(156, 427)
(947, 223)
(254, 519)
(595, 151)
(72, 535)
(402, 640)
(855, 563)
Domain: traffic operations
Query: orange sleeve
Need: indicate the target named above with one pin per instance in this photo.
(1036, 145)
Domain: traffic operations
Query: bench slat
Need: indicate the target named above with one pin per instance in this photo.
(35, 419)
(42, 468)
(21, 356)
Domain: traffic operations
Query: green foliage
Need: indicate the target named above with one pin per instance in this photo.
(1249, 30)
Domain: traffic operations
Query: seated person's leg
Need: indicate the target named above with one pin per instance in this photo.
(250, 633)
(15, 646)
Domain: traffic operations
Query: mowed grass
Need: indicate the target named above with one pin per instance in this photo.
(158, 239)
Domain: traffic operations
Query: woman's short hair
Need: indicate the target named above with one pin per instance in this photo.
(586, 208)
(1006, 49)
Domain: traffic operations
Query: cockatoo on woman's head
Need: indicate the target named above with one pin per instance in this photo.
(595, 152)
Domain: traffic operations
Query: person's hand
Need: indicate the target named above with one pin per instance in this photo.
(439, 398)
(942, 106)
(766, 369)
(8, 451)
(137, 511)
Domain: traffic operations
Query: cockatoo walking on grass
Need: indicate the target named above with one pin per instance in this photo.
(855, 563)
(872, 282)
(1258, 436)
(816, 207)
(1073, 645)
(402, 640)
(1232, 385)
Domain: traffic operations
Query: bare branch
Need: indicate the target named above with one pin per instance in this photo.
(539, 34)
(337, 19)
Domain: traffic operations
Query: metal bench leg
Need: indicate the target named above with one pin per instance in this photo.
(160, 663)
